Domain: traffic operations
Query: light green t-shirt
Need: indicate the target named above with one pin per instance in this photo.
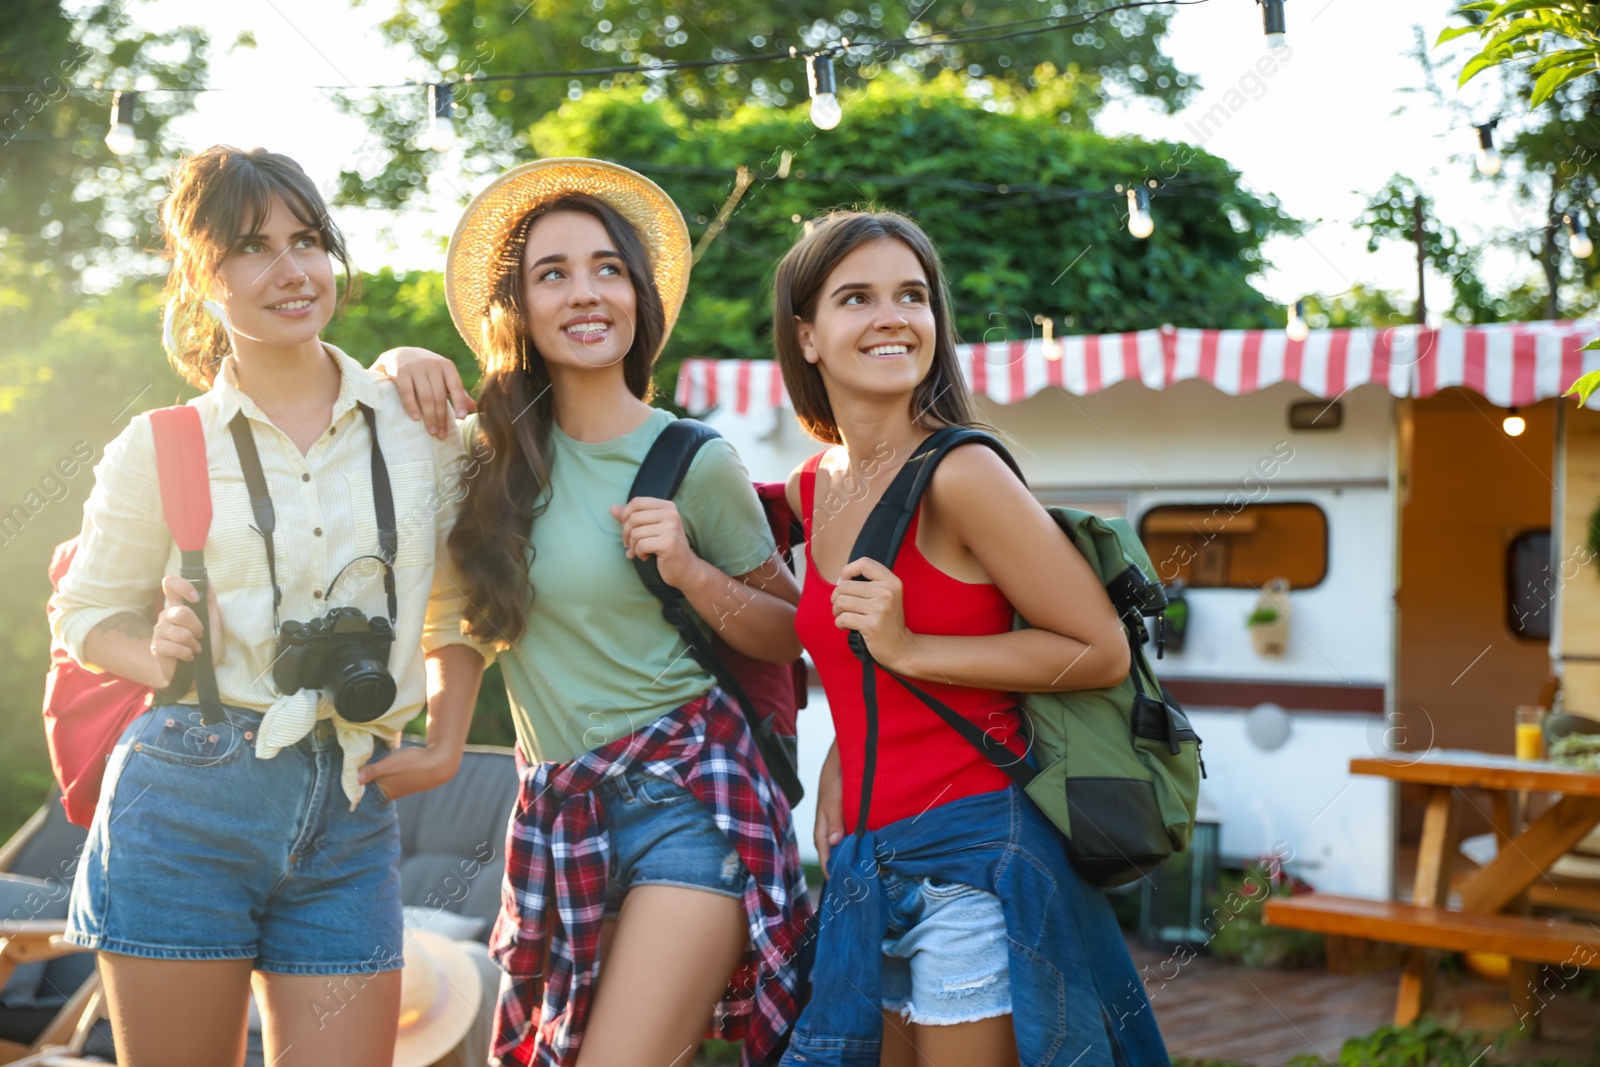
(597, 660)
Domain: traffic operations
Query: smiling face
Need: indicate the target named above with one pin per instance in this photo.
(873, 329)
(577, 294)
(276, 281)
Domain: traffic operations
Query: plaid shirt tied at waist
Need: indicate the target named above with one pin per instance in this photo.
(558, 855)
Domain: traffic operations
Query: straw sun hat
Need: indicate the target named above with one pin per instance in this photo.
(482, 231)
(440, 995)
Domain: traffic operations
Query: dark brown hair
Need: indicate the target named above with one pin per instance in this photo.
(940, 399)
(217, 195)
(515, 412)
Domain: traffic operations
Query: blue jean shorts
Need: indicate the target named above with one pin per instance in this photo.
(945, 959)
(662, 835)
(200, 851)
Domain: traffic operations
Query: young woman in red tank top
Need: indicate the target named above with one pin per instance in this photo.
(864, 335)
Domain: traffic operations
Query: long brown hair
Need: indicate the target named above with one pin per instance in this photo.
(490, 543)
(940, 399)
(217, 195)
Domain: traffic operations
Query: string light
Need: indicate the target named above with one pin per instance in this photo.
(1140, 224)
(1488, 154)
(1272, 22)
(825, 111)
(1513, 424)
(1579, 242)
(121, 139)
(1052, 349)
(441, 127)
(1298, 330)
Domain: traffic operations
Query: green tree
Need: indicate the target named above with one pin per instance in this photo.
(1556, 41)
(1089, 56)
(1360, 305)
(1392, 214)
(67, 204)
(1023, 209)
(64, 399)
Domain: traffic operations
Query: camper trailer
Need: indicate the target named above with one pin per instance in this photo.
(1376, 535)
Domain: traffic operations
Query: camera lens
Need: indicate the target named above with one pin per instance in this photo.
(362, 687)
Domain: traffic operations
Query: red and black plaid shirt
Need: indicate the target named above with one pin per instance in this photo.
(558, 855)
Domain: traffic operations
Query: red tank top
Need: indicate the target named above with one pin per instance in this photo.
(922, 762)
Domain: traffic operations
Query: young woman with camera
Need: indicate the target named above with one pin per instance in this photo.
(263, 845)
(653, 883)
(957, 931)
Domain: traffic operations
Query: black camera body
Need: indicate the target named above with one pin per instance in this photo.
(345, 653)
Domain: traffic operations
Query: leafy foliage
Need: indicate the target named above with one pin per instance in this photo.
(1117, 53)
(1543, 53)
(68, 205)
(1021, 206)
(1244, 937)
(1560, 37)
(1391, 214)
(1425, 1043)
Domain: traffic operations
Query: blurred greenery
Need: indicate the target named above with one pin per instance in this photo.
(1022, 207)
(1548, 137)
(1082, 63)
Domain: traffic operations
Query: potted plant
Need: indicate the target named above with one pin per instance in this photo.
(1175, 626)
(1268, 623)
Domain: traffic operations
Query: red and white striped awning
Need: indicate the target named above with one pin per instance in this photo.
(1511, 364)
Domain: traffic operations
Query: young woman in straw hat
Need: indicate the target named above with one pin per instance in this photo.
(653, 885)
(248, 848)
(985, 947)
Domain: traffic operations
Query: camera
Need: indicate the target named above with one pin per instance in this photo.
(345, 653)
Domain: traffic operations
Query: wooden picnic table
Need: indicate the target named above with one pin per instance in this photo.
(1480, 921)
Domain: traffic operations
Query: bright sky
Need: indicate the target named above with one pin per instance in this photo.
(1341, 113)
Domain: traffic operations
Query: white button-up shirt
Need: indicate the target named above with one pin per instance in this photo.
(325, 519)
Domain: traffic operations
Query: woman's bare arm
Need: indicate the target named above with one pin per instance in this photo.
(1076, 640)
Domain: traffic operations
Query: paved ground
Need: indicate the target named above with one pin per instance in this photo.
(1221, 1011)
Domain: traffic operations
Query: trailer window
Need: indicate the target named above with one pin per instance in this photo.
(1229, 545)
(1529, 586)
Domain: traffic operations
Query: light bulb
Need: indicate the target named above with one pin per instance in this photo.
(825, 111)
(121, 139)
(441, 127)
(441, 135)
(1514, 424)
(1272, 23)
(1581, 244)
(1298, 330)
(1140, 224)
(1488, 154)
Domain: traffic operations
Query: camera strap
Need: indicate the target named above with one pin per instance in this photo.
(261, 507)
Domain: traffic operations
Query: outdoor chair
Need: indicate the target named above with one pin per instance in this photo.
(452, 860)
(46, 989)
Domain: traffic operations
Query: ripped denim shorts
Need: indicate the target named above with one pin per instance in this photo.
(945, 959)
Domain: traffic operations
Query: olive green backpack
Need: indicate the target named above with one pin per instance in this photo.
(1117, 770)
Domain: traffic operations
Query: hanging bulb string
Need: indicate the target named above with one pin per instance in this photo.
(970, 35)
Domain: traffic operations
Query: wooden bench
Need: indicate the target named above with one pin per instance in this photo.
(1520, 937)
(1491, 914)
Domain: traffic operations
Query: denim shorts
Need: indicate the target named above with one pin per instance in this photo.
(662, 835)
(200, 851)
(945, 959)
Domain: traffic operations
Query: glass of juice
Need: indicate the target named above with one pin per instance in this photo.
(1530, 732)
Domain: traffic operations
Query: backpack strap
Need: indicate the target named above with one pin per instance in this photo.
(660, 476)
(880, 539)
(186, 505)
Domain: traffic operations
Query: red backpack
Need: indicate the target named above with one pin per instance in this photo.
(85, 712)
(769, 694)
